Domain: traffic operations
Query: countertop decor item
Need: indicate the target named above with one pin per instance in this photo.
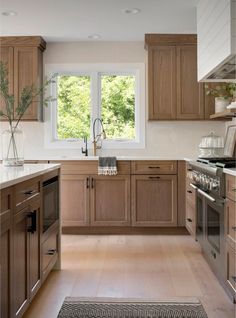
(230, 141)
(224, 93)
(12, 138)
(211, 146)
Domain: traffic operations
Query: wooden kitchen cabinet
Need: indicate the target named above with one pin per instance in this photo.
(24, 58)
(22, 241)
(75, 200)
(154, 200)
(26, 256)
(110, 200)
(91, 200)
(191, 208)
(162, 82)
(189, 91)
(230, 235)
(6, 252)
(173, 90)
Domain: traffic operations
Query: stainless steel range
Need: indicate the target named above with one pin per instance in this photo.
(208, 178)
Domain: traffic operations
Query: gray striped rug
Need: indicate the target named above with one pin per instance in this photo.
(98, 308)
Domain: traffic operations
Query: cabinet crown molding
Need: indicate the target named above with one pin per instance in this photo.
(153, 39)
(35, 41)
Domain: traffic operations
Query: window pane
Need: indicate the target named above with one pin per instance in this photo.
(74, 103)
(118, 105)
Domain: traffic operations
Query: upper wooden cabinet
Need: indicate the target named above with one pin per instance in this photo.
(24, 58)
(173, 90)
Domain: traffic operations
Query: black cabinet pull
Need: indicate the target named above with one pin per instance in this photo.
(213, 254)
(153, 167)
(51, 252)
(87, 183)
(234, 228)
(189, 191)
(33, 218)
(29, 192)
(156, 177)
(189, 220)
(234, 278)
(92, 183)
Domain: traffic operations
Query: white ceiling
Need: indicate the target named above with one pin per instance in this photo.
(75, 20)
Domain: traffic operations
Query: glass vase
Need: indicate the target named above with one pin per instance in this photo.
(12, 147)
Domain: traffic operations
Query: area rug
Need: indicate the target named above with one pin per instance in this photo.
(122, 308)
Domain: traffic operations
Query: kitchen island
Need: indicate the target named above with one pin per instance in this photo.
(30, 232)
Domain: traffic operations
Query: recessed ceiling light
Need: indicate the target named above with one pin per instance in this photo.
(94, 36)
(131, 11)
(9, 13)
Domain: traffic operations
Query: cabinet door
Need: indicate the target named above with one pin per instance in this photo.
(6, 56)
(154, 200)
(20, 262)
(189, 92)
(27, 71)
(34, 247)
(162, 82)
(5, 254)
(110, 200)
(75, 200)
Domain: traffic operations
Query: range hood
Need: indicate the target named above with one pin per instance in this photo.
(216, 29)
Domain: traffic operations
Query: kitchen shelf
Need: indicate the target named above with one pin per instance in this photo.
(225, 115)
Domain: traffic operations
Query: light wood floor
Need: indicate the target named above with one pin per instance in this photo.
(159, 267)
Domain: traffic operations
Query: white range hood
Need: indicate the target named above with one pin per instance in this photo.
(216, 30)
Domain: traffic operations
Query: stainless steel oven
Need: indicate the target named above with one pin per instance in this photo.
(210, 229)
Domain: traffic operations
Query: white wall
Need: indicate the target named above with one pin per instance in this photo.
(164, 139)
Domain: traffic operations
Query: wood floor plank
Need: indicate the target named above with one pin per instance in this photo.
(138, 266)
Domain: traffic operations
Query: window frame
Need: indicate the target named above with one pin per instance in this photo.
(95, 71)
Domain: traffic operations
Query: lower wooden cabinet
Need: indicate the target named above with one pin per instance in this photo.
(231, 269)
(110, 200)
(5, 253)
(95, 200)
(154, 200)
(50, 250)
(191, 208)
(26, 256)
(75, 200)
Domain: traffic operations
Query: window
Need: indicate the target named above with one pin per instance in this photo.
(111, 93)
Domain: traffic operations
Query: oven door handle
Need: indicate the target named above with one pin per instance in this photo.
(206, 195)
(193, 186)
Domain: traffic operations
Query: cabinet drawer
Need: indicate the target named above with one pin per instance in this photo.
(231, 269)
(191, 194)
(89, 167)
(231, 187)
(26, 191)
(191, 219)
(6, 196)
(49, 252)
(230, 223)
(154, 167)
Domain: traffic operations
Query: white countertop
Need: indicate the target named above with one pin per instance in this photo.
(231, 171)
(13, 175)
(71, 158)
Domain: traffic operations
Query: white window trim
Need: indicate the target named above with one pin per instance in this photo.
(138, 69)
